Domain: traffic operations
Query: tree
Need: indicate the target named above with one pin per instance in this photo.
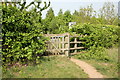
(108, 13)
(87, 13)
(46, 22)
(60, 18)
(67, 17)
(54, 26)
(50, 14)
(76, 13)
(60, 12)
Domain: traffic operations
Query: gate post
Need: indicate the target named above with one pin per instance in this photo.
(75, 46)
(67, 45)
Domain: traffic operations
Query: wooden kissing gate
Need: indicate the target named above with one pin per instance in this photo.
(60, 44)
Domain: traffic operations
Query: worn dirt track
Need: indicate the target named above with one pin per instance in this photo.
(88, 69)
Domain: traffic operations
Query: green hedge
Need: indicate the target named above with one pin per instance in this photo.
(97, 38)
(97, 35)
(21, 34)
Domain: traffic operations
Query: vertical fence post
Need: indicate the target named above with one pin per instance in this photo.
(59, 42)
(67, 45)
(51, 43)
(63, 44)
(75, 46)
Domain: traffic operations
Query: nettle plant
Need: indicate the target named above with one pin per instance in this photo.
(21, 32)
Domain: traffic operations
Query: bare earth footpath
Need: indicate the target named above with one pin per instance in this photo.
(88, 69)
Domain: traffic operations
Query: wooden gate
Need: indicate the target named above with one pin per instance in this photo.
(60, 44)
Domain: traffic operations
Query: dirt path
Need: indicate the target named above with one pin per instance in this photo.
(88, 69)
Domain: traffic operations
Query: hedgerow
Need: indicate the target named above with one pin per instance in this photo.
(21, 33)
(96, 39)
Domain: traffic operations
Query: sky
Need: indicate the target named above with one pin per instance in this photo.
(73, 5)
(119, 8)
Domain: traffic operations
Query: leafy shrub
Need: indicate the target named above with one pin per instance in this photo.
(22, 38)
(96, 39)
(98, 53)
(98, 35)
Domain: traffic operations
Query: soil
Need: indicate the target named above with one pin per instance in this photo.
(88, 69)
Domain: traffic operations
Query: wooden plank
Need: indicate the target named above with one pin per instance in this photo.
(54, 35)
(57, 49)
(76, 48)
(75, 45)
(59, 42)
(67, 46)
(76, 36)
(66, 42)
(76, 42)
(62, 35)
(66, 49)
(63, 44)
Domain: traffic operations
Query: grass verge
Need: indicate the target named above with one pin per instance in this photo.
(52, 67)
(110, 68)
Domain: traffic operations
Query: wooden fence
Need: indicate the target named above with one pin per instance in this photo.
(60, 43)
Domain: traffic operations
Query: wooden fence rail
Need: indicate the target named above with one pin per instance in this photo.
(60, 43)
